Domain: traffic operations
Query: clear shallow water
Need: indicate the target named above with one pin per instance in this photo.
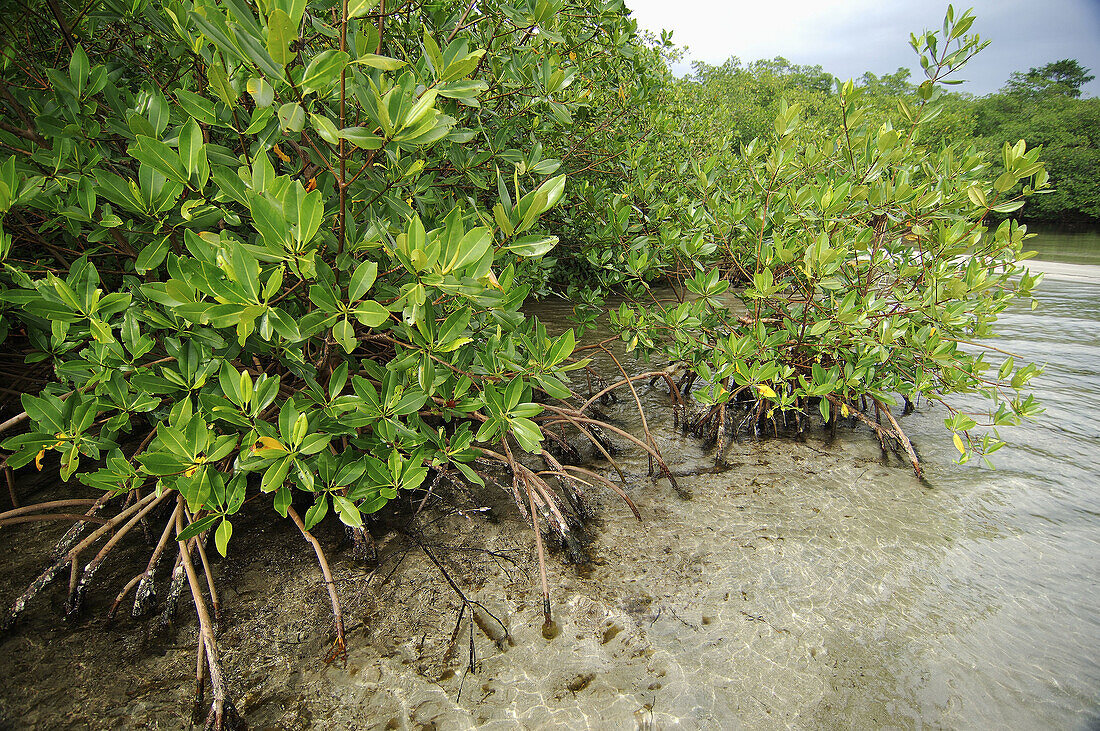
(973, 604)
(1025, 573)
(811, 585)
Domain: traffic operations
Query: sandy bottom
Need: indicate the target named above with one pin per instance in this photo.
(805, 586)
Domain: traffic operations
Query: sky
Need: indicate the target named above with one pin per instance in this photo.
(848, 37)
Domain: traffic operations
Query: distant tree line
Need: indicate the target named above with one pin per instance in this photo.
(1042, 106)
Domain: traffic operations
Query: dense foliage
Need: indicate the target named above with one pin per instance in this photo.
(274, 253)
(868, 268)
(294, 243)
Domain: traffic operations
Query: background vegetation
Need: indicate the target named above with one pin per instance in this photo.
(1042, 105)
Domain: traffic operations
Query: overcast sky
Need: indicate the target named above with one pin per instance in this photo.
(848, 37)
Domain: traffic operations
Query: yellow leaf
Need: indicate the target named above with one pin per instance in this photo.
(282, 155)
(312, 184)
(765, 390)
(492, 279)
(268, 443)
(844, 409)
(958, 443)
(191, 470)
(38, 459)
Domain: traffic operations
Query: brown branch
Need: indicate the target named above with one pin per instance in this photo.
(66, 32)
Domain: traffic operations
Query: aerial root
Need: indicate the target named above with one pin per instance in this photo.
(9, 476)
(222, 714)
(901, 437)
(572, 487)
(201, 549)
(79, 581)
(145, 596)
(175, 591)
(547, 619)
(721, 442)
(339, 648)
(896, 434)
(638, 404)
(577, 419)
(73, 534)
(610, 485)
(69, 555)
(558, 441)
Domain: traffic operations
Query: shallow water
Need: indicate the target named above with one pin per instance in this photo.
(811, 585)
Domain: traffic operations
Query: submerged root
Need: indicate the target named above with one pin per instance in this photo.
(363, 549)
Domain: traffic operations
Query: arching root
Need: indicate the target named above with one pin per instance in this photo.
(896, 434)
(339, 648)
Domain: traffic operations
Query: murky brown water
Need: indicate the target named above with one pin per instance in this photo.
(811, 585)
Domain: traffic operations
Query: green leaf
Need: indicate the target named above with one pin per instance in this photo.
(535, 245)
(152, 256)
(160, 157)
(222, 535)
(198, 107)
(359, 8)
(371, 313)
(344, 334)
(281, 32)
(78, 69)
(434, 55)
(462, 67)
(275, 475)
(317, 511)
(311, 210)
(292, 118)
(471, 249)
(349, 514)
(314, 443)
(361, 138)
(216, 30)
(161, 463)
(325, 128)
(199, 526)
(362, 279)
(323, 70)
(283, 498)
(191, 146)
(263, 94)
(420, 109)
(1008, 207)
(380, 62)
(220, 84)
